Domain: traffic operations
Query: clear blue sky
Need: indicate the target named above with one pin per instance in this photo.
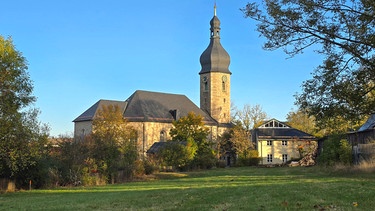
(82, 51)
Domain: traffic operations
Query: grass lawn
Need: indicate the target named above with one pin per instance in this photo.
(246, 188)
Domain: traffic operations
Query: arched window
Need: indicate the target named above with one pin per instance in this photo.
(162, 136)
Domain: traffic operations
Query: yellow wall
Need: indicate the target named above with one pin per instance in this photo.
(277, 150)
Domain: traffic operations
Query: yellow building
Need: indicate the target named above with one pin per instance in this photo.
(278, 143)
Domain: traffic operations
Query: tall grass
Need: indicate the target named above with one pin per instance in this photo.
(246, 188)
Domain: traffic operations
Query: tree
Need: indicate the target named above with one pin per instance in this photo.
(250, 116)
(192, 133)
(22, 136)
(189, 127)
(237, 141)
(344, 31)
(244, 121)
(302, 121)
(113, 142)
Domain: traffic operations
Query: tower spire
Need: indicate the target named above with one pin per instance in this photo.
(215, 9)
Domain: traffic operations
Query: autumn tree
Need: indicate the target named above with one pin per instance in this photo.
(191, 132)
(344, 32)
(113, 145)
(249, 116)
(22, 136)
(302, 121)
(237, 140)
(244, 120)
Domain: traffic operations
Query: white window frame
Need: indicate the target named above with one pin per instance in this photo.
(269, 158)
(285, 158)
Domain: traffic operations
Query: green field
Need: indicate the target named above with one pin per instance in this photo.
(246, 188)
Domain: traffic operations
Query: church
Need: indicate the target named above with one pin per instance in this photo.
(151, 113)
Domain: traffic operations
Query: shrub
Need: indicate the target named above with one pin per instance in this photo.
(248, 158)
(221, 164)
(336, 150)
(150, 166)
(205, 158)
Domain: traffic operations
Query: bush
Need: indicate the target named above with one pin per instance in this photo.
(150, 166)
(205, 158)
(221, 164)
(248, 158)
(336, 150)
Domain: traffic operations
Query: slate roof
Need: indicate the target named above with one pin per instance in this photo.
(282, 133)
(215, 58)
(146, 106)
(285, 132)
(156, 147)
(90, 113)
(369, 124)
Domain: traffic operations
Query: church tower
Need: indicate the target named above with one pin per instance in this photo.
(215, 76)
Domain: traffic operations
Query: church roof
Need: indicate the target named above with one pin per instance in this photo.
(274, 129)
(161, 107)
(215, 58)
(90, 113)
(146, 106)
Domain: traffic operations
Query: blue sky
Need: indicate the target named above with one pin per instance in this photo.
(82, 51)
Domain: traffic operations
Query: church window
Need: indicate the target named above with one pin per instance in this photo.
(284, 143)
(223, 86)
(205, 86)
(162, 136)
(269, 143)
(224, 100)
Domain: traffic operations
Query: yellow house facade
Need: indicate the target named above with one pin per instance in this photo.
(278, 143)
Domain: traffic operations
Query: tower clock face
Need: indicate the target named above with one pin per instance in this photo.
(224, 78)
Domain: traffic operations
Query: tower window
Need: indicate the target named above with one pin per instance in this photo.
(223, 86)
(205, 86)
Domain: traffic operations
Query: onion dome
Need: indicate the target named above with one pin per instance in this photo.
(215, 58)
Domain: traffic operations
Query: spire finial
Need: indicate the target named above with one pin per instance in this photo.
(215, 9)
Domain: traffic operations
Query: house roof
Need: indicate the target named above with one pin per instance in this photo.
(274, 129)
(150, 106)
(369, 124)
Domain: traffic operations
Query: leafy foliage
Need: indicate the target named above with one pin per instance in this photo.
(342, 30)
(236, 142)
(190, 126)
(189, 147)
(112, 143)
(336, 150)
(22, 136)
(249, 117)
